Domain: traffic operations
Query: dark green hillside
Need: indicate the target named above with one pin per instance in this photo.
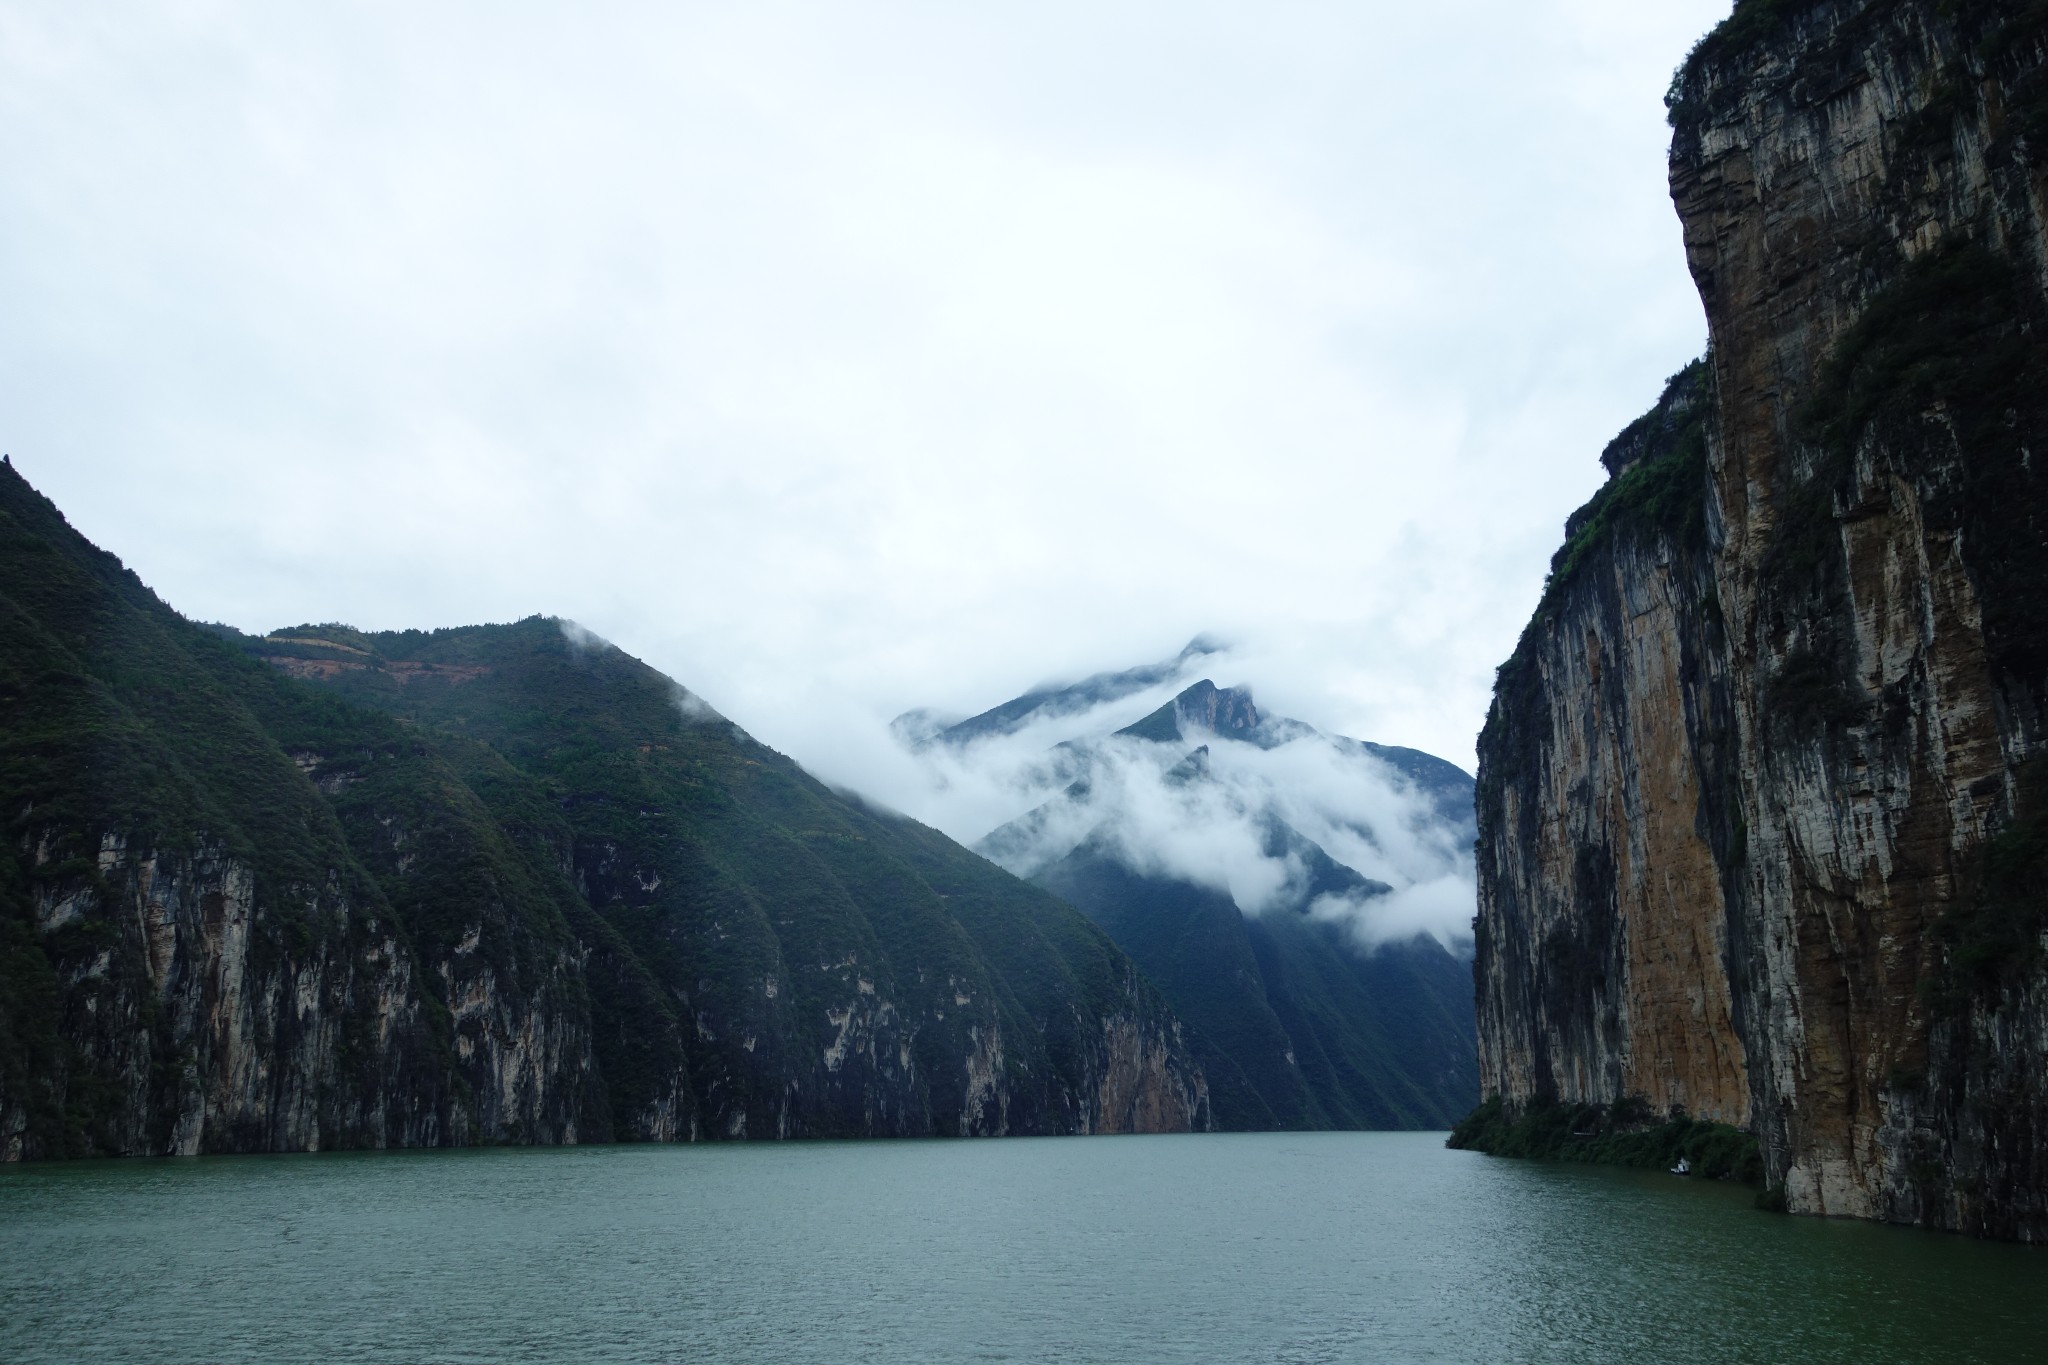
(1296, 1027)
(1383, 1039)
(1192, 941)
(758, 897)
(148, 813)
(458, 839)
(330, 890)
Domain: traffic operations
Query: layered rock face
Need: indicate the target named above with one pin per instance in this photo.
(188, 1003)
(1604, 924)
(189, 1029)
(1760, 829)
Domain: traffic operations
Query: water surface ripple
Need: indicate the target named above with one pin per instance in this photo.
(1283, 1248)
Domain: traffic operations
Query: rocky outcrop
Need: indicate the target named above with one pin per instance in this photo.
(1757, 834)
(200, 1015)
(202, 1006)
(1143, 1083)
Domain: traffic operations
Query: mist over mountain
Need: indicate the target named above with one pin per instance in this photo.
(1103, 758)
(922, 729)
(1304, 900)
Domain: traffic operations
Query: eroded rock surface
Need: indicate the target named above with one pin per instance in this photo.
(1750, 777)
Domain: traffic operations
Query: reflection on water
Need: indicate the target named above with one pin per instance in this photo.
(1286, 1248)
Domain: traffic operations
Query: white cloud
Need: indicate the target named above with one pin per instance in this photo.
(1204, 811)
(1441, 907)
(933, 347)
(580, 639)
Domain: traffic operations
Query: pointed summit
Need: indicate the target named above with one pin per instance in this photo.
(1219, 865)
(1193, 768)
(920, 730)
(1204, 707)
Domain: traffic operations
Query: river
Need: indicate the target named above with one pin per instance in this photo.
(1255, 1247)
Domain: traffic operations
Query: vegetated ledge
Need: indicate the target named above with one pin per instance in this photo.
(1621, 1134)
(1996, 934)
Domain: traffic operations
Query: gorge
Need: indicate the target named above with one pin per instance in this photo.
(1762, 797)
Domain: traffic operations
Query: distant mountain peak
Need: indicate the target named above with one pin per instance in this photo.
(1291, 890)
(1204, 708)
(1193, 768)
(924, 728)
(1219, 710)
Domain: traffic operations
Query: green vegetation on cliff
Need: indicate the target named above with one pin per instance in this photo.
(1657, 489)
(1750, 23)
(1993, 29)
(1993, 932)
(1959, 334)
(1617, 1135)
(128, 727)
(1660, 487)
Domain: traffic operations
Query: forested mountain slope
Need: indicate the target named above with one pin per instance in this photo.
(499, 884)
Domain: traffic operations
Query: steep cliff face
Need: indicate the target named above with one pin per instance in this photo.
(500, 953)
(1782, 868)
(1605, 921)
(197, 1015)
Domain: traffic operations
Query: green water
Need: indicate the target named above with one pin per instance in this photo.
(1284, 1248)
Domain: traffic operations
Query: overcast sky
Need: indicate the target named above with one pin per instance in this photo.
(839, 358)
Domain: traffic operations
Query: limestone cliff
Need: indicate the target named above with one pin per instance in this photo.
(1604, 921)
(1760, 835)
(186, 1027)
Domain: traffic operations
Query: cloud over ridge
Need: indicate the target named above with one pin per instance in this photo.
(1177, 779)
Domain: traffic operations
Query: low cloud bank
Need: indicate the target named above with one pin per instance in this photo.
(580, 638)
(1283, 818)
